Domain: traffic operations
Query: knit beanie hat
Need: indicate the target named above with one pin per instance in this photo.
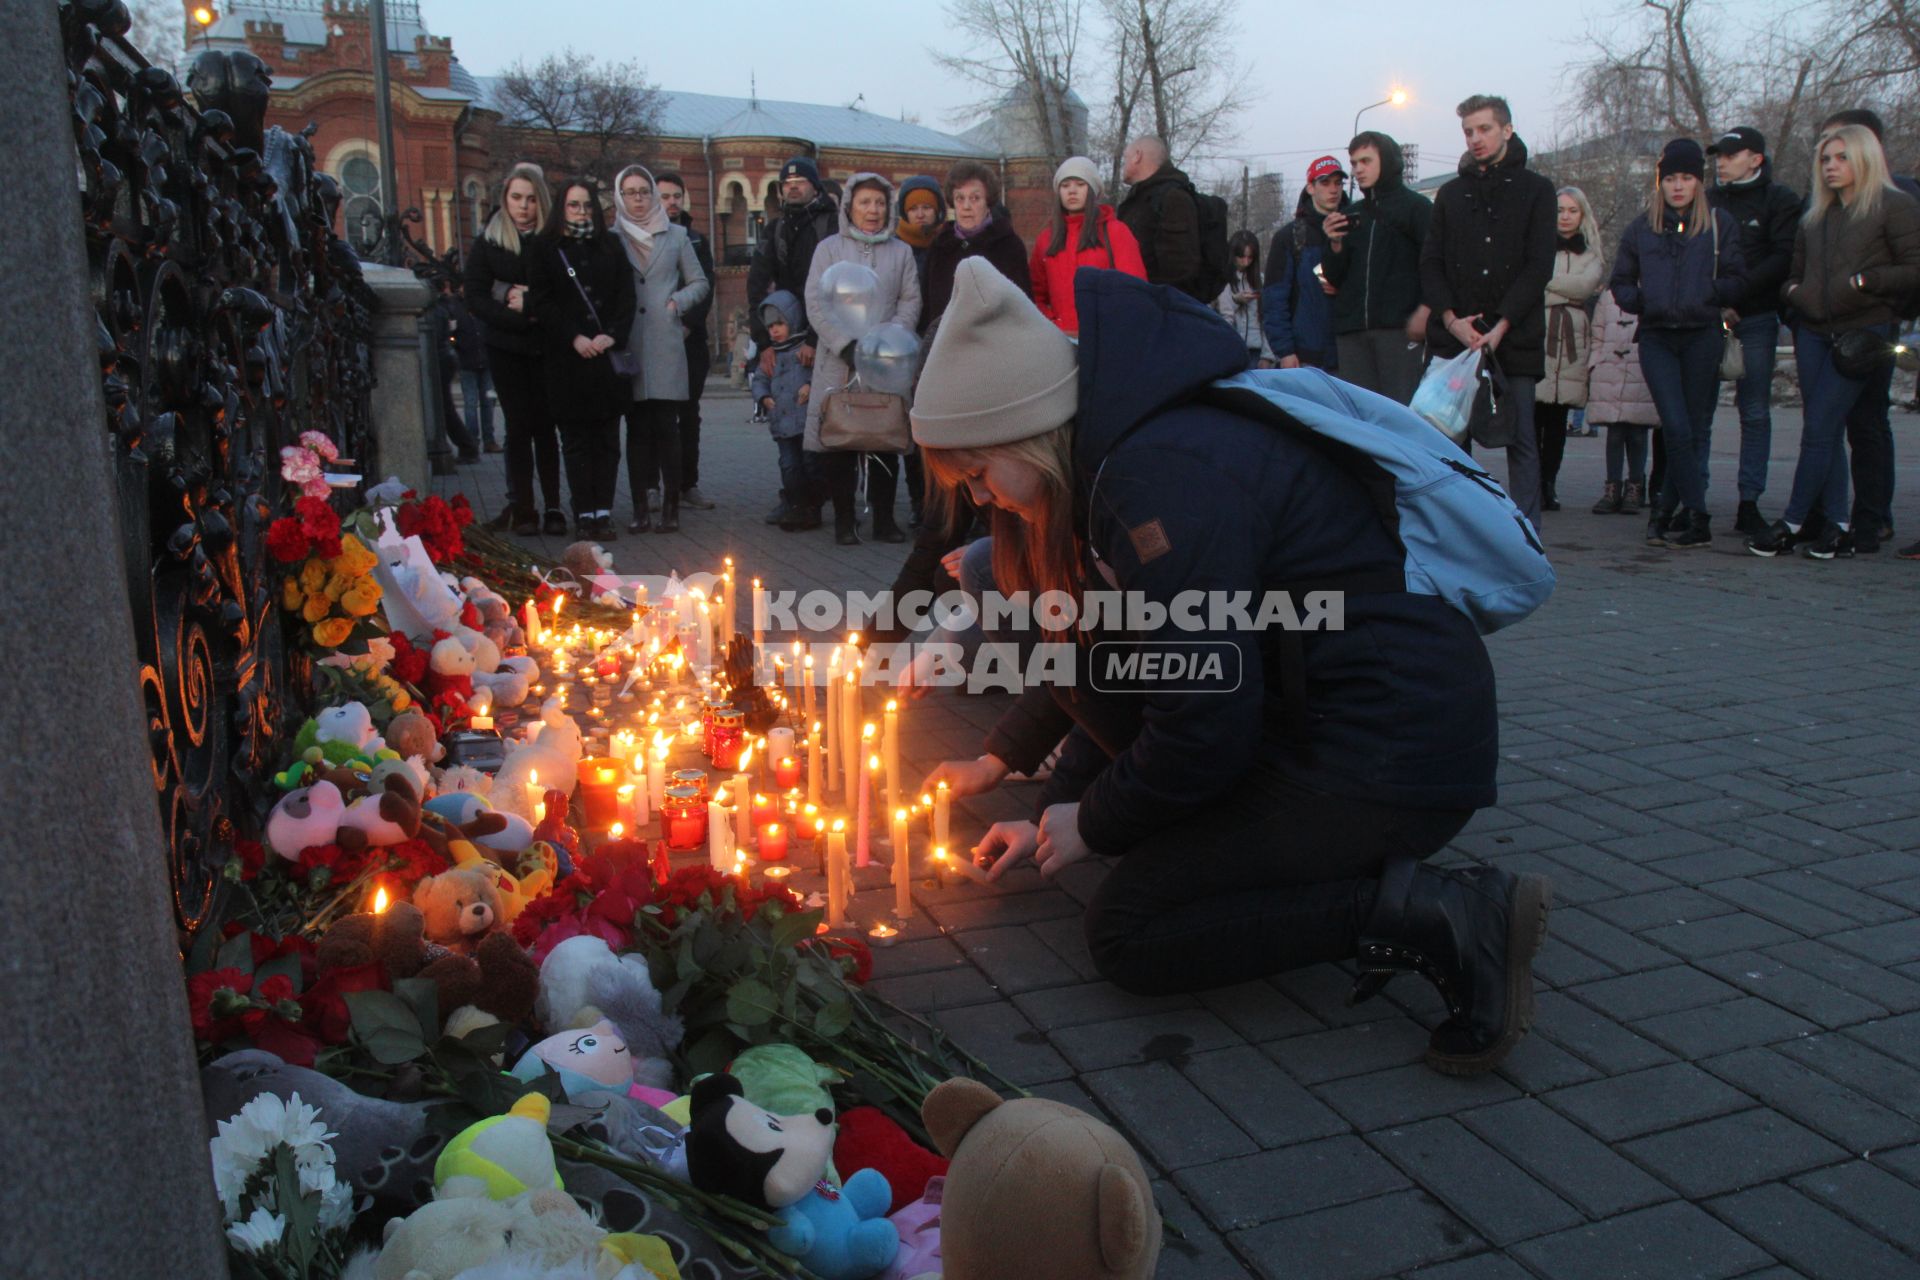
(1082, 168)
(999, 371)
(801, 167)
(916, 197)
(1683, 155)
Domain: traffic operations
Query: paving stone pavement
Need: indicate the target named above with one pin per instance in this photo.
(1711, 755)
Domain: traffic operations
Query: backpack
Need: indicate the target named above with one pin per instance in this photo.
(1465, 540)
(1216, 265)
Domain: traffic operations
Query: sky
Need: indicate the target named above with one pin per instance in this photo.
(1316, 63)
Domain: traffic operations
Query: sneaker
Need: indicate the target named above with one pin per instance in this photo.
(526, 523)
(780, 512)
(1909, 553)
(554, 525)
(1695, 531)
(692, 497)
(1776, 539)
(1748, 519)
(1610, 500)
(1867, 540)
(1473, 934)
(491, 446)
(1833, 543)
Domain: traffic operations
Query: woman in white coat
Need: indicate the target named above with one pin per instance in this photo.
(866, 236)
(667, 283)
(1578, 274)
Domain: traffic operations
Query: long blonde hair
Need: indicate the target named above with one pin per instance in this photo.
(1038, 555)
(1870, 176)
(1589, 225)
(500, 229)
(1696, 218)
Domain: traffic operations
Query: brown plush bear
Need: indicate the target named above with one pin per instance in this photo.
(1037, 1190)
(461, 907)
(411, 734)
(499, 977)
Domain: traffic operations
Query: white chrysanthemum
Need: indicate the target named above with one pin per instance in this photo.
(247, 1140)
(230, 1174)
(336, 1207)
(258, 1232)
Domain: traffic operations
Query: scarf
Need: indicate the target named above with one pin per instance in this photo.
(884, 234)
(917, 237)
(638, 236)
(1575, 243)
(980, 230)
(577, 230)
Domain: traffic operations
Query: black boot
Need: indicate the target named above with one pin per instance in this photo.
(1472, 933)
(1663, 519)
(1748, 519)
(1549, 500)
(1695, 531)
(884, 528)
(781, 512)
(669, 521)
(801, 518)
(843, 531)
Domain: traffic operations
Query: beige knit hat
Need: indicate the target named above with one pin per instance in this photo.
(999, 371)
(1082, 168)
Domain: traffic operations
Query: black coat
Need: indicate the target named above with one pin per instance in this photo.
(999, 244)
(1489, 252)
(490, 270)
(580, 389)
(1160, 212)
(1377, 270)
(784, 256)
(1768, 214)
(696, 317)
(1672, 280)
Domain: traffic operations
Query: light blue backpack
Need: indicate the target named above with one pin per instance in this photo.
(1466, 542)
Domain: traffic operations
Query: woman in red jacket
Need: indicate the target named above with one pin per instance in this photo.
(1078, 240)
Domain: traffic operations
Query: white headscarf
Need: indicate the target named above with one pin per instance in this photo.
(638, 236)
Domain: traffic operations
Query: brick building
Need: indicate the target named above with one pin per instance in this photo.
(453, 142)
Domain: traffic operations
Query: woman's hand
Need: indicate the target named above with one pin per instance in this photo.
(673, 308)
(766, 362)
(604, 342)
(1289, 362)
(585, 348)
(1060, 842)
(806, 393)
(1009, 844)
(1263, 363)
(951, 561)
(517, 298)
(967, 777)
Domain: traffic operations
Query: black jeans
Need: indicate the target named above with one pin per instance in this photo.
(653, 448)
(834, 476)
(593, 463)
(531, 437)
(699, 363)
(1277, 878)
(1550, 429)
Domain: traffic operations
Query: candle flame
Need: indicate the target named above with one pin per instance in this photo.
(533, 777)
(873, 763)
(772, 829)
(839, 824)
(892, 705)
(558, 601)
(853, 638)
(380, 900)
(866, 731)
(940, 854)
(617, 830)
(746, 757)
(926, 799)
(720, 796)
(899, 815)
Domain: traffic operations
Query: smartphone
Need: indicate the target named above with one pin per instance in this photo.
(1480, 325)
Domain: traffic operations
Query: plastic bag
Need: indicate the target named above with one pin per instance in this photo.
(1445, 396)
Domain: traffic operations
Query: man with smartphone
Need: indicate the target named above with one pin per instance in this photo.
(1484, 273)
(1373, 261)
(1296, 308)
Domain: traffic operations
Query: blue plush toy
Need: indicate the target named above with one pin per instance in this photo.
(841, 1233)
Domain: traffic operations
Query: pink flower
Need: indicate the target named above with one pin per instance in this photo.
(320, 445)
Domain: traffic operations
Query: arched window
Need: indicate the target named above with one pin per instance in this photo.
(476, 208)
(361, 211)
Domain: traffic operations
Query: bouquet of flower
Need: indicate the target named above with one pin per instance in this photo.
(285, 1212)
(334, 588)
(305, 464)
(437, 523)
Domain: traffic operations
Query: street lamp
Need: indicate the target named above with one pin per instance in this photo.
(204, 16)
(1397, 98)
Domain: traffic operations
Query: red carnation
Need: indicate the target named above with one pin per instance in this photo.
(855, 949)
(215, 1000)
(285, 542)
(325, 1005)
(409, 665)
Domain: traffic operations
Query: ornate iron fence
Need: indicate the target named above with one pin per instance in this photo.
(230, 320)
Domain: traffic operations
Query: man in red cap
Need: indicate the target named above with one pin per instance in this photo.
(1296, 308)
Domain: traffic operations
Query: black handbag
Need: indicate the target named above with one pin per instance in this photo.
(1495, 421)
(624, 363)
(1858, 354)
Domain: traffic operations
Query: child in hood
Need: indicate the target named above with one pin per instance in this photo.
(782, 396)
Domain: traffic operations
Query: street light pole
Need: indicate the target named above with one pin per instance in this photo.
(1394, 99)
(383, 124)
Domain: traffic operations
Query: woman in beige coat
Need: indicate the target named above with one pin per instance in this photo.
(1578, 274)
(1618, 399)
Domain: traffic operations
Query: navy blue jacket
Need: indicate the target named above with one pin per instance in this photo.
(1295, 311)
(1668, 279)
(1399, 704)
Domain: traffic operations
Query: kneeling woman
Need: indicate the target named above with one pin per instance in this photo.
(1256, 828)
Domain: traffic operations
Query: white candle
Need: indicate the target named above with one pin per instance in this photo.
(759, 618)
(806, 691)
(706, 635)
(733, 614)
(942, 813)
(850, 726)
(890, 751)
(480, 724)
(742, 806)
(830, 696)
(813, 763)
(902, 866)
(530, 623)
(837, 876)
(536, 794)
(867, 787)
(633, 805)
(719, 835)
(657, 776)
(779, 743)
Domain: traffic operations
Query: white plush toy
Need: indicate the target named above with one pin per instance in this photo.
(510, 682)
(554, 754)
(351, 723)
(305, 817)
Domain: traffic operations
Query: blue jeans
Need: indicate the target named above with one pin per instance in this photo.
(1831, 402)
(793, 470)
(475, 386)
(1759, 336)
(1682, 368)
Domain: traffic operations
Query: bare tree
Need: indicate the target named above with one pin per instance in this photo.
(1175, 72)
(593, 118)
(157, 32)
(1022, 52)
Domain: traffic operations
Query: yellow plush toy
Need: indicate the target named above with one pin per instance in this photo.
(537, 868)
(501, 1156)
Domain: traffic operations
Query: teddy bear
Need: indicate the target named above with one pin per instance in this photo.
(382, 817)
(411, 734)
(536, 1233)
(779, 1163)
(500, 978)
(592, 568)
(349, 723)
(1037, 1189)
(553, 752)
(461, 908)
(449, 678)
(583, 984)
(305, 817)
(509, 682)
(517, 879)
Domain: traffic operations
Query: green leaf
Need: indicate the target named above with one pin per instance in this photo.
(302, 1214)
(791, 929)
(712, 1052)
(833, 1019)
(751, 1002)
(386, 1024)
(236, 953)
(283, 966)
(205, 943)
(422, 997)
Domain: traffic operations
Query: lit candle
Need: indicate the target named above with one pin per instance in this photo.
(942, 812)
(772, 843)
(743, 799)
(765, 808)
(806, 690)
(850, 725)
(642, 804)
(890, 751)
(530, 616)
(780, 744)
(837, 874)
(776, 876)
(786, 773)
(480, 724)
(759, 618)
(719, 834)
(882, 935)
(733, 619)
(633, 805)
(539, 812)
(657, 774)
(831, 697)
(706, 635)
(902, 866)
(865, 812)
(536, 794)
(813, 763)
